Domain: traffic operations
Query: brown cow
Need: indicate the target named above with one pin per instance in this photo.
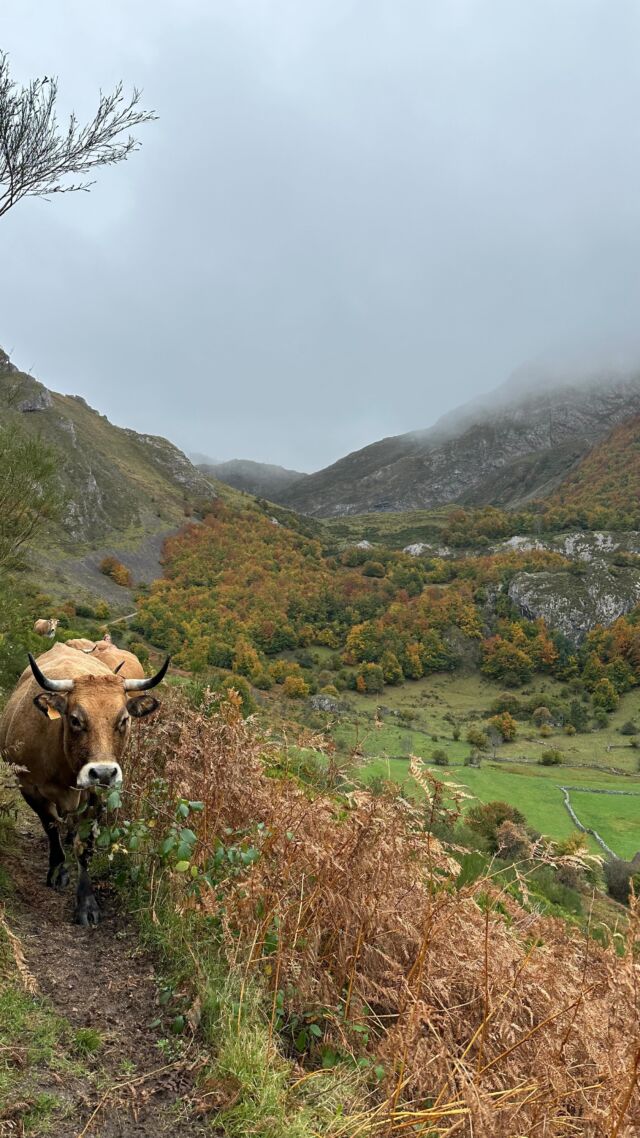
(46, 627)
(66, 725)
(128, 665)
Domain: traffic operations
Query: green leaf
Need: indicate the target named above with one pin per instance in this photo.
(315, 1030)
(301, 1040)
(114, 800)
(183, 810)
(182, 866)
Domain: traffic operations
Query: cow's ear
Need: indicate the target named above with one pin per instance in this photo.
(142, 705)
(51, 704)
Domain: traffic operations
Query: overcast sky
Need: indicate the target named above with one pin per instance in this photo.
(351, 216)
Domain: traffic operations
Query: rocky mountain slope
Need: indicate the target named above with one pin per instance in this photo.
(114, 480)
(259, 478)
(514, 446)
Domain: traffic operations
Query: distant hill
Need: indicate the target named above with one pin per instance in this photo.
(259, 478)
(511, 447)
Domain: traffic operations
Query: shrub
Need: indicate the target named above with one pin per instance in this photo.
(456, 733)
(545, 731)
(487, 818)
(505, 725)
(629, 728)
(512, 842)
(373, 569)
(618, 875)
(551, 758)
(227, 682)
(440, 757)
(370, 679)
(507, 702)
(569, 729)
(140, 651)
(391, 669)
(473, 759)
(605, 695)
(542, 715)
(111, 567)
(295, 687)
(477, 738)
(330, 689)
(85, 611)
(102, 611)
(600, 718)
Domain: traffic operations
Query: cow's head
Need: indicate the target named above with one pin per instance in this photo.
(53, 624)
(96, 713)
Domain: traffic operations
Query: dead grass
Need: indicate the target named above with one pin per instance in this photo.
(488, 1019)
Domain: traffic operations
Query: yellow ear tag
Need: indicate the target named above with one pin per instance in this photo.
(52, 713)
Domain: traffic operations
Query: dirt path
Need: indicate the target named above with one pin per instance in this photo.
(100, 979)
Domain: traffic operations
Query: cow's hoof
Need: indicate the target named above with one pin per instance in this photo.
(58, 878)
(87, 912)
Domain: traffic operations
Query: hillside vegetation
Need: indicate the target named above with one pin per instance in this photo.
(609, 476)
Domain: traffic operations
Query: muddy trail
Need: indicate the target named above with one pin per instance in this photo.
(141, 1081)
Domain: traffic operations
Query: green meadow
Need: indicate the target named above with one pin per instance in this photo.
(379, 733)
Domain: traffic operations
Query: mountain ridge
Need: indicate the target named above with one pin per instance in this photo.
(501, 455)
(263, 479)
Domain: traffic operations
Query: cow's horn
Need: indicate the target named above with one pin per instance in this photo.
(120, 665)
(49, 685)
(144, 685)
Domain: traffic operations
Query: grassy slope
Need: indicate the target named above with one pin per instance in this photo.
(609, 475)
(391, 529)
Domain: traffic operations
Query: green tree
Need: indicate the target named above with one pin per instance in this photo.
(29, 491)
(605, 695)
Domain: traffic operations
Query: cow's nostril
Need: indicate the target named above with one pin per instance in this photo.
(93, 773)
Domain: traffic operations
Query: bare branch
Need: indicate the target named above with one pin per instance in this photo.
(37, 157)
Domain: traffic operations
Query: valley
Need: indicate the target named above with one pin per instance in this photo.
(354, 702)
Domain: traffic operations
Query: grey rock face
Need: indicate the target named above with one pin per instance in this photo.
(326, 703)
(576, 604)
(175, 463)
(39, 402)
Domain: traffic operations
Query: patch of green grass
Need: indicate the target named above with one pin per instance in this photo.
(616, 818)
(418, 717)
(87, 1041)
(34, 1047)
(394, 530)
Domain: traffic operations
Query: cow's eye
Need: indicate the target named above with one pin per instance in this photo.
(122, 725)
(75, 722)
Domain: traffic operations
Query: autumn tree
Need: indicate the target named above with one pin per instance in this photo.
(38, 156)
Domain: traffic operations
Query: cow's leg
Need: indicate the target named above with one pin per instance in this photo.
(58, 875)
(87, 911)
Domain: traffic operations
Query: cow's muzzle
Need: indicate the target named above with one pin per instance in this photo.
(99, 774)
